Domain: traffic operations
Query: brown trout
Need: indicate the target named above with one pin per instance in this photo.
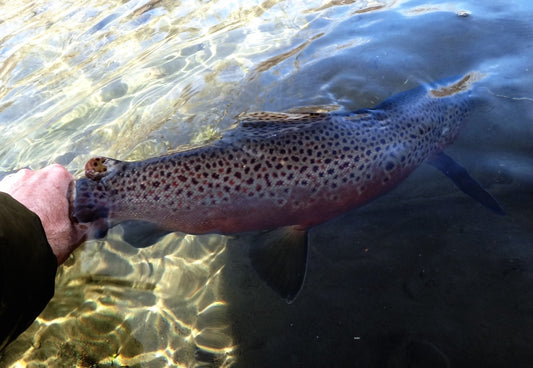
(285, 171)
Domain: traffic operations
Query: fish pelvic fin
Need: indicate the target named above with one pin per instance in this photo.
(464, 181)
(279, 257)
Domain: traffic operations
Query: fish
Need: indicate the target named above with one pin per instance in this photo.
(277, 175)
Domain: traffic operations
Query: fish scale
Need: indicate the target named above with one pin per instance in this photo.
(277, 169)
(285, 173)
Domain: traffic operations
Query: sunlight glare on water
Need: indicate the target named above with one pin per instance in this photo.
(134, 80)
(118, 307)
(137, 79)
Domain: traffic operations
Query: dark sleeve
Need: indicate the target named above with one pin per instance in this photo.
(27, 268)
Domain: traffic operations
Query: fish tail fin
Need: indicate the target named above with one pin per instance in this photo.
(279, 257)
(91, 204)
(464, 181)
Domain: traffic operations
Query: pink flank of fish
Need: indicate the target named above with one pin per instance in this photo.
(279, 170)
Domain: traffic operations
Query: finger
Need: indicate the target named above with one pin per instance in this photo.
(11, 181)
(57, 175)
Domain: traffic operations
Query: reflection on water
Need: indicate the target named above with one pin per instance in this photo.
(119, 306)
(134, 79)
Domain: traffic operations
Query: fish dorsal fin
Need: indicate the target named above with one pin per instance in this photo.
(266, 117)
(266, 124)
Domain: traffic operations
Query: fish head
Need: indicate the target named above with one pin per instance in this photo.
(454, 101)
(453, 119)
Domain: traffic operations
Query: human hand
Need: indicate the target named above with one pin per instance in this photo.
(48, 193)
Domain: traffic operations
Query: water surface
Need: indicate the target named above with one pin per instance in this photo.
(422, 273)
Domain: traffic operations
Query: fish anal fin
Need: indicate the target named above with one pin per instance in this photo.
(464, 181)
(142, 234)
(279, 257)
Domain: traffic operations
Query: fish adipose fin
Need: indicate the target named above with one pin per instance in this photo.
(279, 257)
(464, 181)
(98, 167)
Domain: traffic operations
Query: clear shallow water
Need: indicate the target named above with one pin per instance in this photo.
(422, 269)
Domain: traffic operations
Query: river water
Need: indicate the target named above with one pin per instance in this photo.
(423, 275)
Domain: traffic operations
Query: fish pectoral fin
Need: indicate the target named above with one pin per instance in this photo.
(279, 257)
(464, 181)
